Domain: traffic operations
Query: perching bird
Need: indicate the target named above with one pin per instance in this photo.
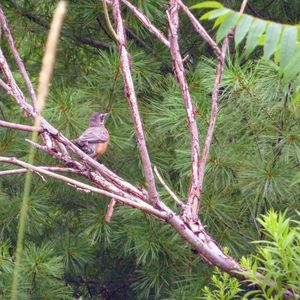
(95, 138)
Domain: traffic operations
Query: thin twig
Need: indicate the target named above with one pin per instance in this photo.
(167, 188)
(214, 104)
(133, 202)
(108, 23)
(18, 126)
(110, 209)
(52, 169)
(147, 23)
(18, 59)
(200, 29)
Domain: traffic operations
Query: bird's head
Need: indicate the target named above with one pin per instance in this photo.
(98, 118)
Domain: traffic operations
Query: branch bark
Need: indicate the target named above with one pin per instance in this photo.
(126, 67)
(179, 71)
(133, 202)
(147, 23)
(214, 103)
(200, 29)
(18, 126)
(52, 169)
(3, 23)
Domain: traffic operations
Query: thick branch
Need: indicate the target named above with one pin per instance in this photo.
(133, 103)
(178, 67)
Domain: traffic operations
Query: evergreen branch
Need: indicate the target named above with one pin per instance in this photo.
(52, 169)
(132, 202)
(19, 126)
(133, 104)
(179, 71)
(147, 23)
(200, 29)
(20, 64)
(167, 188)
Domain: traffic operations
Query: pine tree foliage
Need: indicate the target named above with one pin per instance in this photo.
(70, 250)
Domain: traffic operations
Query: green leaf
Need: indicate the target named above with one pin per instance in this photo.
(221, 20)
(256, 30)
(207, 4)
(215, 13)
(272, 38)
(288, 44)
(227, 26)
(292, 69)
(242, 28)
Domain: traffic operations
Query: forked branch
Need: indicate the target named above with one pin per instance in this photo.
(179, 71)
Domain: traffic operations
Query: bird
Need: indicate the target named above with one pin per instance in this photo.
(95, 139)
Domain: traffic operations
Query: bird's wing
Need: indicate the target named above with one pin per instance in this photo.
(94, 135)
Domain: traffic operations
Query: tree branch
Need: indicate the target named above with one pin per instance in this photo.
(179, 71)
(133, 103)
(147, 23)
(214, 103)
(133, 202)
(18, 126)
(171, 193)
(18, 59)
(52, 169)
(200, 29)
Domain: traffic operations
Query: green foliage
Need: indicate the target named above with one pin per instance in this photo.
(225, 288)
(278, 257)
(273, 36)
(273, 271)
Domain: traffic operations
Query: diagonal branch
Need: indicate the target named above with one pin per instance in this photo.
(178, 68)
(214, 103)
(200, 29)
(133, 103)
(133, 202)
(18, 59)
(147, 23)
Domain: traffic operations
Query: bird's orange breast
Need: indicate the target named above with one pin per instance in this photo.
(101, 148)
